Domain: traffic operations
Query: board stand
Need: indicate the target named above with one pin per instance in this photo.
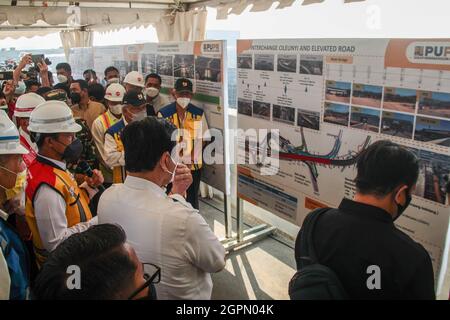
(243, 237)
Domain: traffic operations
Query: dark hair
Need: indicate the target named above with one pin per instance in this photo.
(39, 138)
(97, 91)
(43, 90)
(65, 66)
(2, 95)
(384, 166)
(83, 84)
(111, 68)
(63, 86)
(153, 75)
(30, 83)
(106, 268)
(145, 142)
(90, 71)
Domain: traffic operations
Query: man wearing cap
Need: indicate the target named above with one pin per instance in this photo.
(24, 105)
(14, 265)
(56, 206)
(134, 109)
(152, 93)
(114, 96)
(191, 121)
(134, 81)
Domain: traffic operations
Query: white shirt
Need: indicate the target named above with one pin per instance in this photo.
(159, 102)
(113, 157)
(98, 133)
(50, 213)
(166, 231)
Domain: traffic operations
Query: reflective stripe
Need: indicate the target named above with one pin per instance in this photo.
(9, 138)
(53, 120)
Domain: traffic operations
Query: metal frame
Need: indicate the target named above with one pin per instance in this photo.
(243, 237)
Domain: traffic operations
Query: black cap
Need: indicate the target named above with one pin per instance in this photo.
(134, 98)
(183, 84)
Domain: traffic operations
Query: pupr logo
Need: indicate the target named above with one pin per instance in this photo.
(429, 52)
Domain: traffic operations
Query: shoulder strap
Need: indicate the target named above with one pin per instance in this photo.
(307, 251)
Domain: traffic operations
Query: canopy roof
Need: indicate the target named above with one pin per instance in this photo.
(28, 18)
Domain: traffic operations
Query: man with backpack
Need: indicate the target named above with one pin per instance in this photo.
(356, 251)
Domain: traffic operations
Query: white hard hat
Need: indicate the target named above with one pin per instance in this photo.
(134, 78)
(9, 136)
(53, 117)
(115, 92)
(26, 103)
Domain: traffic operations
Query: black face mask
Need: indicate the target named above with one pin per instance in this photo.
(75, 97)
(72, 152)
(402, 208)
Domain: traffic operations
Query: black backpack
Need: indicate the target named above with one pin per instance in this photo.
(314, 281)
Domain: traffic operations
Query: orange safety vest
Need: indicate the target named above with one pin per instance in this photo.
(44, 172)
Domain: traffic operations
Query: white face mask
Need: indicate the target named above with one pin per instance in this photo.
(113, 80)
(21, 87)
(183, 102)
(116, 109)
(151, 92)
(62, 78)
(141, 115)
(173, 172)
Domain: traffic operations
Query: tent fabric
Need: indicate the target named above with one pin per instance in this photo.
(95, 19)
(76, 39)
(182, 26)
(227, 7)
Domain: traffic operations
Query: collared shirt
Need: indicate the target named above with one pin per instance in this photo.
(195, 124)
(50, 212)
(98, 133)
(88, 113)
(27, 138)
(167, 231)
(356, 236)
(114, 154)
(159, 102)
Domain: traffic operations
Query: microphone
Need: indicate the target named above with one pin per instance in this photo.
(87, 170)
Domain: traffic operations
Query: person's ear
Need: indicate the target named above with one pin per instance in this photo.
(400, 196)
(163, 162)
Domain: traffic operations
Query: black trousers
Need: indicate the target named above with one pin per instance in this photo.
(192, 191)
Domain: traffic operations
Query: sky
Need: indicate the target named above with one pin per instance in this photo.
(332, 18)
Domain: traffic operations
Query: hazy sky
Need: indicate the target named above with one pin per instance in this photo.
(333, 18)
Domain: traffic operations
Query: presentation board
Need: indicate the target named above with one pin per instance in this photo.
(330, 99)
(203, 62)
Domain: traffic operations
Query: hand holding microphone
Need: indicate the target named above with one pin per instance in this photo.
(94, 178)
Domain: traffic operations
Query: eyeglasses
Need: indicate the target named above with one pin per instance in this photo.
(152, 275)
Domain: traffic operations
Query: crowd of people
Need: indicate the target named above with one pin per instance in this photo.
(95, 203)
(69, 153)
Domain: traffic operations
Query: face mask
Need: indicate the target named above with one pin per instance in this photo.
(151, 92)
(400, 208)
(151, 293)
(75, 97)
(141, 115)
(19, 185)
(72, 152)
(62, 78)
(173, 172)
(116, 109)
(21, 87)
(183, 102)
(113, 80)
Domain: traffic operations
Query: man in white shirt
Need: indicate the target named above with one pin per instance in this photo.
(152, 92)
(56, 206)
(163, 229)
